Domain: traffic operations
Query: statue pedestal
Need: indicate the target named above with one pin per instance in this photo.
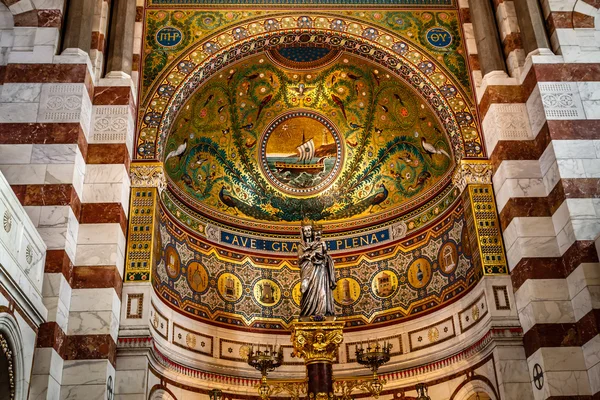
(317, 342)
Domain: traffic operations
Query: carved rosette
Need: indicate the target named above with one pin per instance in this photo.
(317, 341)
(472, 172)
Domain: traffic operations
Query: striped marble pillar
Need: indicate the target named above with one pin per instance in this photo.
(541, 131)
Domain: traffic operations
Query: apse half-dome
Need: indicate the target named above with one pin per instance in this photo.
(292, 134)
(268, 143)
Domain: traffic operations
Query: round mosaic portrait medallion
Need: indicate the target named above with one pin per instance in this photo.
(172, 263)
(347, 291)
(419, 273)
(301, 153)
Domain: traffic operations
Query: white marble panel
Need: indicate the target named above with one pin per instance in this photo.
(59, 173)
(96, 254)
(99, 233)
(55, 238)
(568, 383)
(570, 168)
(15, 153)
(48, 362)
(24, 38)
(95, 300)
(532, 247)
(586, 229)
(130, 382)
(44, 387)
(103, 193)
(546, 312)
(20, 92)
(87, 372)
(540, 290)
(57, 312)
(586, 274)
(27, 174)
(516, 169)
(574, 149)
(105, 173)
(581, 208)
(547, 159)
(91, 322)
(591, 352)
(583, 302)
(54, 216)
(535, 111)
(591, 168)
(520, 188)
(53, 153)
(46, 37)
(566, 237)
(19, 112)
(33, 212)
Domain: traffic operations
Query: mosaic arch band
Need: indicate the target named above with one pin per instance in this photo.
(318, 275)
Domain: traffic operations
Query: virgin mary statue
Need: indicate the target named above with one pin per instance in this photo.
(318, 277)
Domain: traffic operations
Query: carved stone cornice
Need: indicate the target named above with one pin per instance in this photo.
(472, 172)
(317, 341)
(148, 174)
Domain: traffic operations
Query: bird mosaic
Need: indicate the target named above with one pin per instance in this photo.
(389, 146)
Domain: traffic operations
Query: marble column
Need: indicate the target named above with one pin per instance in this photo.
(78, 29)
(120, 46)
(489, 48)
(531, 24)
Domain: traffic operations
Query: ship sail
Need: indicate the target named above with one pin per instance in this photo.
(306, 151)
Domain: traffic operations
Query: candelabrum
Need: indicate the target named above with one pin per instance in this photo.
(373, 357)
(265, 361)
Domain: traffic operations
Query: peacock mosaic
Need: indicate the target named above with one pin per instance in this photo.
(269, 143)
(389, 283)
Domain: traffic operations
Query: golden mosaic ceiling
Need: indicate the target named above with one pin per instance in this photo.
(354, 119)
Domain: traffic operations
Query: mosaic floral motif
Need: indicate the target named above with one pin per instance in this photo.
(383, 286)
(239, 148)
(411, 25)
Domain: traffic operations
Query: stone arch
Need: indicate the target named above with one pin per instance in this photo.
(159, 392)
(209, 56)
(472, 387)
(10, 336)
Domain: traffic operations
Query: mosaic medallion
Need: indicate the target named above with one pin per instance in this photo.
(448, 258)
(172, 263)
(230, 287)
(301, 153)
(419, 273)
(267, 292)
(197, 277)
(297, 294)
(347, 291)
(385, 283)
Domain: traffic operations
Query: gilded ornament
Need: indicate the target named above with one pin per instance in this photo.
(433, 335)
(317, 341)
(190, 340)
(475, 312)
